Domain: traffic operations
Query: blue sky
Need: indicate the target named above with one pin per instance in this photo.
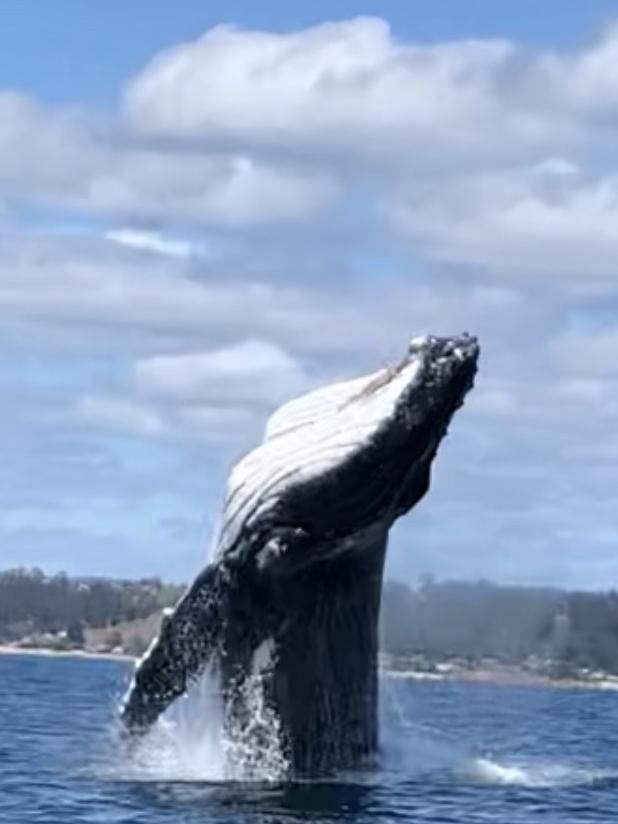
(208, 208)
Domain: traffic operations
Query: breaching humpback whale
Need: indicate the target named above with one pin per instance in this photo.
(300, 554)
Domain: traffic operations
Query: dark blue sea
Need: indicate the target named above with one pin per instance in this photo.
(453, 753)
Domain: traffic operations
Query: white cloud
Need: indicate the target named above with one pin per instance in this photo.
(341, 84)
(120, 414)
(252, 371)
(481, 152)
(588, 353)
(585, 80)
(547, 220)
(80, 292)
(219, 395)
(201, 188)
(195, 423)
(156, 243)
(493, 164)
(553, 407)
(43, 150)
(352, 84)
(65, 159)
(237, 425)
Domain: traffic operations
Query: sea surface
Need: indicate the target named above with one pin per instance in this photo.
(452, 753)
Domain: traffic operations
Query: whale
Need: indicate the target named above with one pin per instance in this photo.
(292, 593)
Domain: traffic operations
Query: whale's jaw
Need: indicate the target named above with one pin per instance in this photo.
(301, 554)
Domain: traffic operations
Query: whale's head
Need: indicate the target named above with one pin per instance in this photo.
(347, 459)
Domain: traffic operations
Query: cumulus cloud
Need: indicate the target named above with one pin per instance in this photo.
(353, 84)
(342, 84)
(195, 423)
(481, 152)
(592, 352)
(366, 189)
(83, 291)
(75, 161)
(550, 219)
(252, 371)
(43, 150)
(218, 395)
(119, 413)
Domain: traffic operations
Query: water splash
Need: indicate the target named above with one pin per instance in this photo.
(407, 741)
(252, 747)
(533, 775)
(424, 749)
(191, 743)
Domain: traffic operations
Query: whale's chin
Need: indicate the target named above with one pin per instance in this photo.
(301, 553)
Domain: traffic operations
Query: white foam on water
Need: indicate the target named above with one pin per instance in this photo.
(410, 746)
(190, 744)
(252, 748)
(531, 774)
(414, 749)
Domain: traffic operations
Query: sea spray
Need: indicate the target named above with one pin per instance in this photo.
(184, 745)
(534, 774)
(252, 738)
(406, 740)
(190, 742)
(252, 744)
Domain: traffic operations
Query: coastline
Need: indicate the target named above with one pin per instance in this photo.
(47, 652)
(505, 676)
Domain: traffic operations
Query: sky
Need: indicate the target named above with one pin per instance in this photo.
(206, 209)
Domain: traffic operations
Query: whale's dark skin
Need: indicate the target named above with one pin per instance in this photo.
(303, 572)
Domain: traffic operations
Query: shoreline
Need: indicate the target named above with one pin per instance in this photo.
(512, 677)
(48, 652)
(501, 678)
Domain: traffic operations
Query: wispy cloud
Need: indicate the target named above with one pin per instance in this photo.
(156, 243)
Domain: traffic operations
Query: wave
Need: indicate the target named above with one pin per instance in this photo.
(189, 744)
(534, 775)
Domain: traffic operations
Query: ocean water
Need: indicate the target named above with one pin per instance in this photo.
(452, 753)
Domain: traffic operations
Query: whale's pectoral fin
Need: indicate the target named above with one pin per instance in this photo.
(186, 641)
